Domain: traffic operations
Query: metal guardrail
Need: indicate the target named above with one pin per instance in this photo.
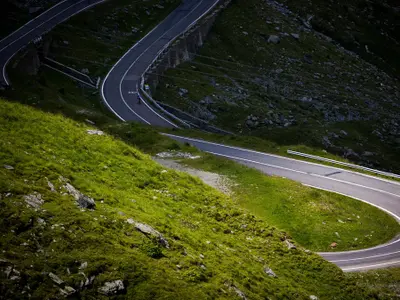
(154, 103)
(353, 166)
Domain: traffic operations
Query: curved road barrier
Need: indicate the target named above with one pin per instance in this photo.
(120, 93)
(353, 166)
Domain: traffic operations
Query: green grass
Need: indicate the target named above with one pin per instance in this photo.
(387, 281)
(310, 216)
(194, 218)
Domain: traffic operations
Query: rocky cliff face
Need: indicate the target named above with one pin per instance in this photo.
(371, 28)
(266, 70)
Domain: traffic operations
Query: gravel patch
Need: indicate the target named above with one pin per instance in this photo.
(215, 180)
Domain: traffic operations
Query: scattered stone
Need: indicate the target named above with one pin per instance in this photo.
(34, 200)
(245, 33)
(177, 154)
(40, 221)
(94, 132)
(82, 200)
(269, 272)
(130, 221)
(67, 291)
(340, 221)
(308, 58)
(274, 39)
(35, 9)
(295, 36)
(306, 99)
(8, 167)
(66, 42)
(368, 153)
(290, 245)
(148, 230)
(337, 234)
(55, 278)
(333, 245)
(183, 92)
(85, 71)
(201, 256)
(312, 297)
(343, 133)
(112, 288)
(83, 265)
(51, 186)
(239, 292)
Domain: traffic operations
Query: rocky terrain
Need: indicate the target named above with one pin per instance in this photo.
(276, 76)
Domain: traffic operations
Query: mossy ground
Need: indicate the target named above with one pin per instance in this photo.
(315, 219)
(125, 183)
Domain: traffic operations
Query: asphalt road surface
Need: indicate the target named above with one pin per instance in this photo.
(38, 26)
(120, 92)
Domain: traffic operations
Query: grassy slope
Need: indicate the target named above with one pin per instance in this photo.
(311, 217)
(127, 184)
(387, 281)
(244, 81)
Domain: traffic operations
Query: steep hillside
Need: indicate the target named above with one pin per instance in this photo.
(363, 26)
(265, 71)
(85, 215)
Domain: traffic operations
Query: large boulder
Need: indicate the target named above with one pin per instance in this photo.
(82, 200)
(112, 288)
(274, 39)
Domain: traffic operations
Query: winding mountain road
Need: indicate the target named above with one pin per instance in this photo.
(38, 26)
(120, 92)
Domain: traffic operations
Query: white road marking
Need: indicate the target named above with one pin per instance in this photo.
(8, 45)
(46, 11)
(394, 263)
(5, 65)
(302, 172)
(109, 72)
(284, 157)
(165, 47)
(126, 72)
(373, 256)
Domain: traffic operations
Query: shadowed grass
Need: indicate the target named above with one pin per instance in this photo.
(313, 218)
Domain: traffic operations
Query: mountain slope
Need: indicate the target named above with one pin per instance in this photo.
(150, 232)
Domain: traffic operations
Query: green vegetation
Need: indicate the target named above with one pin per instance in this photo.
(214, 244)
(315, 219)
(387, 281)
(304, 90)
